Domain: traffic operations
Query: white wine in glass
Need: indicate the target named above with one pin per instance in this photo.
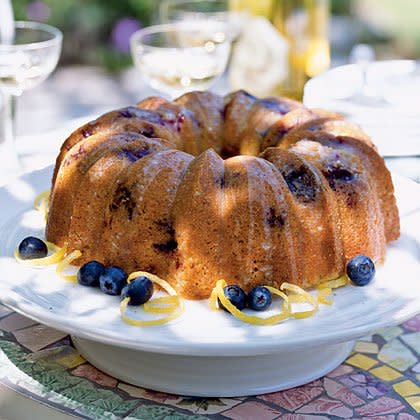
(18, 72)
(180, 57)
(25, 63)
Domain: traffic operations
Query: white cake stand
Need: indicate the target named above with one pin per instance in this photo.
(215, 376)
(205, 353)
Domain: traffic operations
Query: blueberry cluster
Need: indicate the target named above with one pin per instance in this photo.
(360, 270)
(112, 280)
(258, 299)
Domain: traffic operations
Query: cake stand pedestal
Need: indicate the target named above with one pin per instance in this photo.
(214, 376)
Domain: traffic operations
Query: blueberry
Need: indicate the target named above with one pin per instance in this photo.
(89, 273)
(360, 270)
(259, 298)
(112, 280)
(301, 184)
(31, 248)
(140, 290)
(235, 295)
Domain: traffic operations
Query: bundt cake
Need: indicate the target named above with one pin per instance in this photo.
(254, 191)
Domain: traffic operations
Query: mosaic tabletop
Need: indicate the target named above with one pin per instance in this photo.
(380, 380)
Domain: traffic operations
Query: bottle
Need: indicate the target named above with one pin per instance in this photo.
(304, 23)
(253, 7)
(284, 43)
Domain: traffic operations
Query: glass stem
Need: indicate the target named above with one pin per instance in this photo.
(8, 155)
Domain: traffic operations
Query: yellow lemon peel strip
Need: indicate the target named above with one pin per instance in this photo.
(147, 323)
(41, 199)
(297, 299)
(213, 302)
(308, 298)
(325, 289)
(334, 284)
(323, 295)
(174, 303)
(250, 319)
(41, 203)
(286, 304)
(155, 279)
(53, 247)
(65, 262)
(161, 305)
(57, 255)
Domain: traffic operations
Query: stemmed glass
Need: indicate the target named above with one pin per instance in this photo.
(25, 63)
(202, 11)
(180, 57)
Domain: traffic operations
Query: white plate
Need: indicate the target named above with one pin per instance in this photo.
(390, 111)
(93, 317)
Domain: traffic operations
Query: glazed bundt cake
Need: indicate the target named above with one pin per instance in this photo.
(254, 191)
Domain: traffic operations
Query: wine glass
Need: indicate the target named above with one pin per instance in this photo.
(363, 55)
(203, 10)
(180, 57)
(24, 64)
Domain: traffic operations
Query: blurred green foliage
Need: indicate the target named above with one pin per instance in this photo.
(341, 7)
(399, 20)
(95, 31)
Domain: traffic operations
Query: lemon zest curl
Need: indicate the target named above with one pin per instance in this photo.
(251, 319)
(173, 304)
(41, 203)
(57, 255)
(66, 262)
